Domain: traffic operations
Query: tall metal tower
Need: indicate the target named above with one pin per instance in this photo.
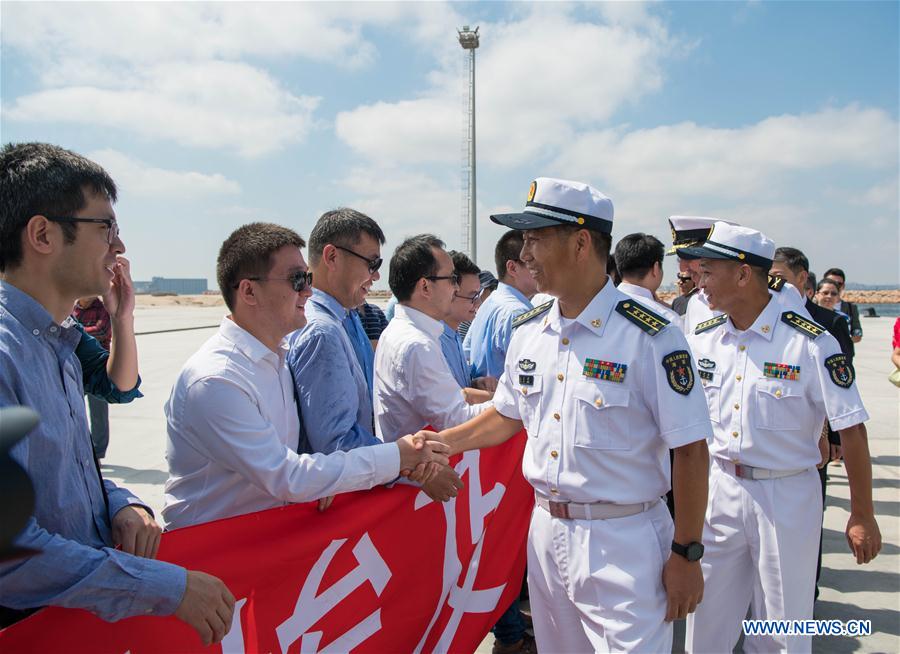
(468, 39)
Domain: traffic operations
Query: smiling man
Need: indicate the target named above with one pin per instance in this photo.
(604, 387)
(771, 377)
(233, 424)
(331, 358)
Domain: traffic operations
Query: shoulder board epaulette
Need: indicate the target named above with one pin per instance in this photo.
(650, 322)
(706, 325)
(776, 283)
(522, 318)
(808, 327)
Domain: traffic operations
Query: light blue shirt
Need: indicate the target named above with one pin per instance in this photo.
(78, 568)
(488, 338)
(332, 391)
(451, 346)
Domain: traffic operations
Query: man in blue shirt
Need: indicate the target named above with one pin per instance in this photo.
(331, 358)
(488, 338)
(466, 300)
(59, 240)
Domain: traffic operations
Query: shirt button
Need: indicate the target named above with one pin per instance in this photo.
(565, 341)
(554, 491)
(735, 434)
(560, 377)
(36, 332)
(556, 416)
(777, 393)
(742, 348)
(599, 401)
(739, 378)
(524, 391)
(53, 329)
(737, 406)
(554, 454)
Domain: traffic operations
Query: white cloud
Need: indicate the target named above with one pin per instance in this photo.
(690, 161)
(204, 104)
(137, 179)
(540, 78)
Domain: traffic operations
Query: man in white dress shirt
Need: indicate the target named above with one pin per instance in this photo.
(771, 377)
(414, 386)
(639, 258)
(233, 426)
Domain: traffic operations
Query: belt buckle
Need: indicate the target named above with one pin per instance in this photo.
(742, 472)
(559, 509)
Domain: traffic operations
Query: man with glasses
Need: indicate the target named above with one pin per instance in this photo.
(331, 358)
(488, 338)
(465, 303)
(848, 308)
(96, 542)
(233, 424)
(414, 386)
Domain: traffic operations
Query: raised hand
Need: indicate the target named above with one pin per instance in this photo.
(119, 299)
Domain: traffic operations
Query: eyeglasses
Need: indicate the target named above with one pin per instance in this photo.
(453, 277)
(112, 227)
(683, 279)
(471, 298)
(299, 280)
(374, 264)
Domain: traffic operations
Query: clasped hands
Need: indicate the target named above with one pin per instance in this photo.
(425, 459)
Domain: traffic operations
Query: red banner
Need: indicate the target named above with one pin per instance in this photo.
(385, 570)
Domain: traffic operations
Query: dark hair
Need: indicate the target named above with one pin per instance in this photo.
(793, 258)
(835, 272)
(43, 179)
(413, 259)
(824, 281)
(248, 253)
(601, 241)
(508, 248)
(342, 226)
(463, 264)
(811, 281)
(636, 254)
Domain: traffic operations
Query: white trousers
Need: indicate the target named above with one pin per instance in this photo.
(596, 585)
(762, 541)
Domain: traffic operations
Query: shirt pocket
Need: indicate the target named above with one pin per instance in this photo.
(712, 389)
(780, 405)
(530, 396)
(601, 416)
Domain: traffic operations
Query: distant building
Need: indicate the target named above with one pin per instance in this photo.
(178, 286)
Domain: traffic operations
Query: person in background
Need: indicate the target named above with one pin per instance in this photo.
(639, 259)
(466, 301)
(848, 308)
(488, 338)
(895, 357)
(92, 315)
(810, 287)
(828, 295)
(488, 286)
(59, 241)
(685, 286)
(373, 322)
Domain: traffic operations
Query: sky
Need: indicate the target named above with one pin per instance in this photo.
(782, 116)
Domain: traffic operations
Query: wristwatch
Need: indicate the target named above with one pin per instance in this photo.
(691, 551)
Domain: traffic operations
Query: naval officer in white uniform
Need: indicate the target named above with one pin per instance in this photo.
(771, 377)
(604, 386)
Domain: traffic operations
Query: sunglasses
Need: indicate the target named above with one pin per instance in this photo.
(374, 264)
(299, 280)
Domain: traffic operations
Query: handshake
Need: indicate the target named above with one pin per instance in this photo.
(425, 459)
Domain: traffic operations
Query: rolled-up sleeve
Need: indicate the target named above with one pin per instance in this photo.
(93, 358)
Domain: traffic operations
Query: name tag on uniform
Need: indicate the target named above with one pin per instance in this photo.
(781, 371)
(605, 370)
(526, 380)
(706, 375)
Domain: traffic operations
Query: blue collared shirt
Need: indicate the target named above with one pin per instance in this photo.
(488, 338)
(451, 346)
(332, 392)
(77, 566)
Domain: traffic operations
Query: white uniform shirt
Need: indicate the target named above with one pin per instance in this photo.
(598, 404)
(788, 298)
(644, 296)
(233, 430)
(769, 389)
(414, 386)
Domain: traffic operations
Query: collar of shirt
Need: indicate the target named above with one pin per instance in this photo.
(595, 315)
(764, 325)
(434, 328)
(633, 289)
(36, 319)
(449, 332)
(329, 303)
(250, 346)
(512, 291)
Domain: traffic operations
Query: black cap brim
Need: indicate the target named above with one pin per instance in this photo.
(525, 220)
